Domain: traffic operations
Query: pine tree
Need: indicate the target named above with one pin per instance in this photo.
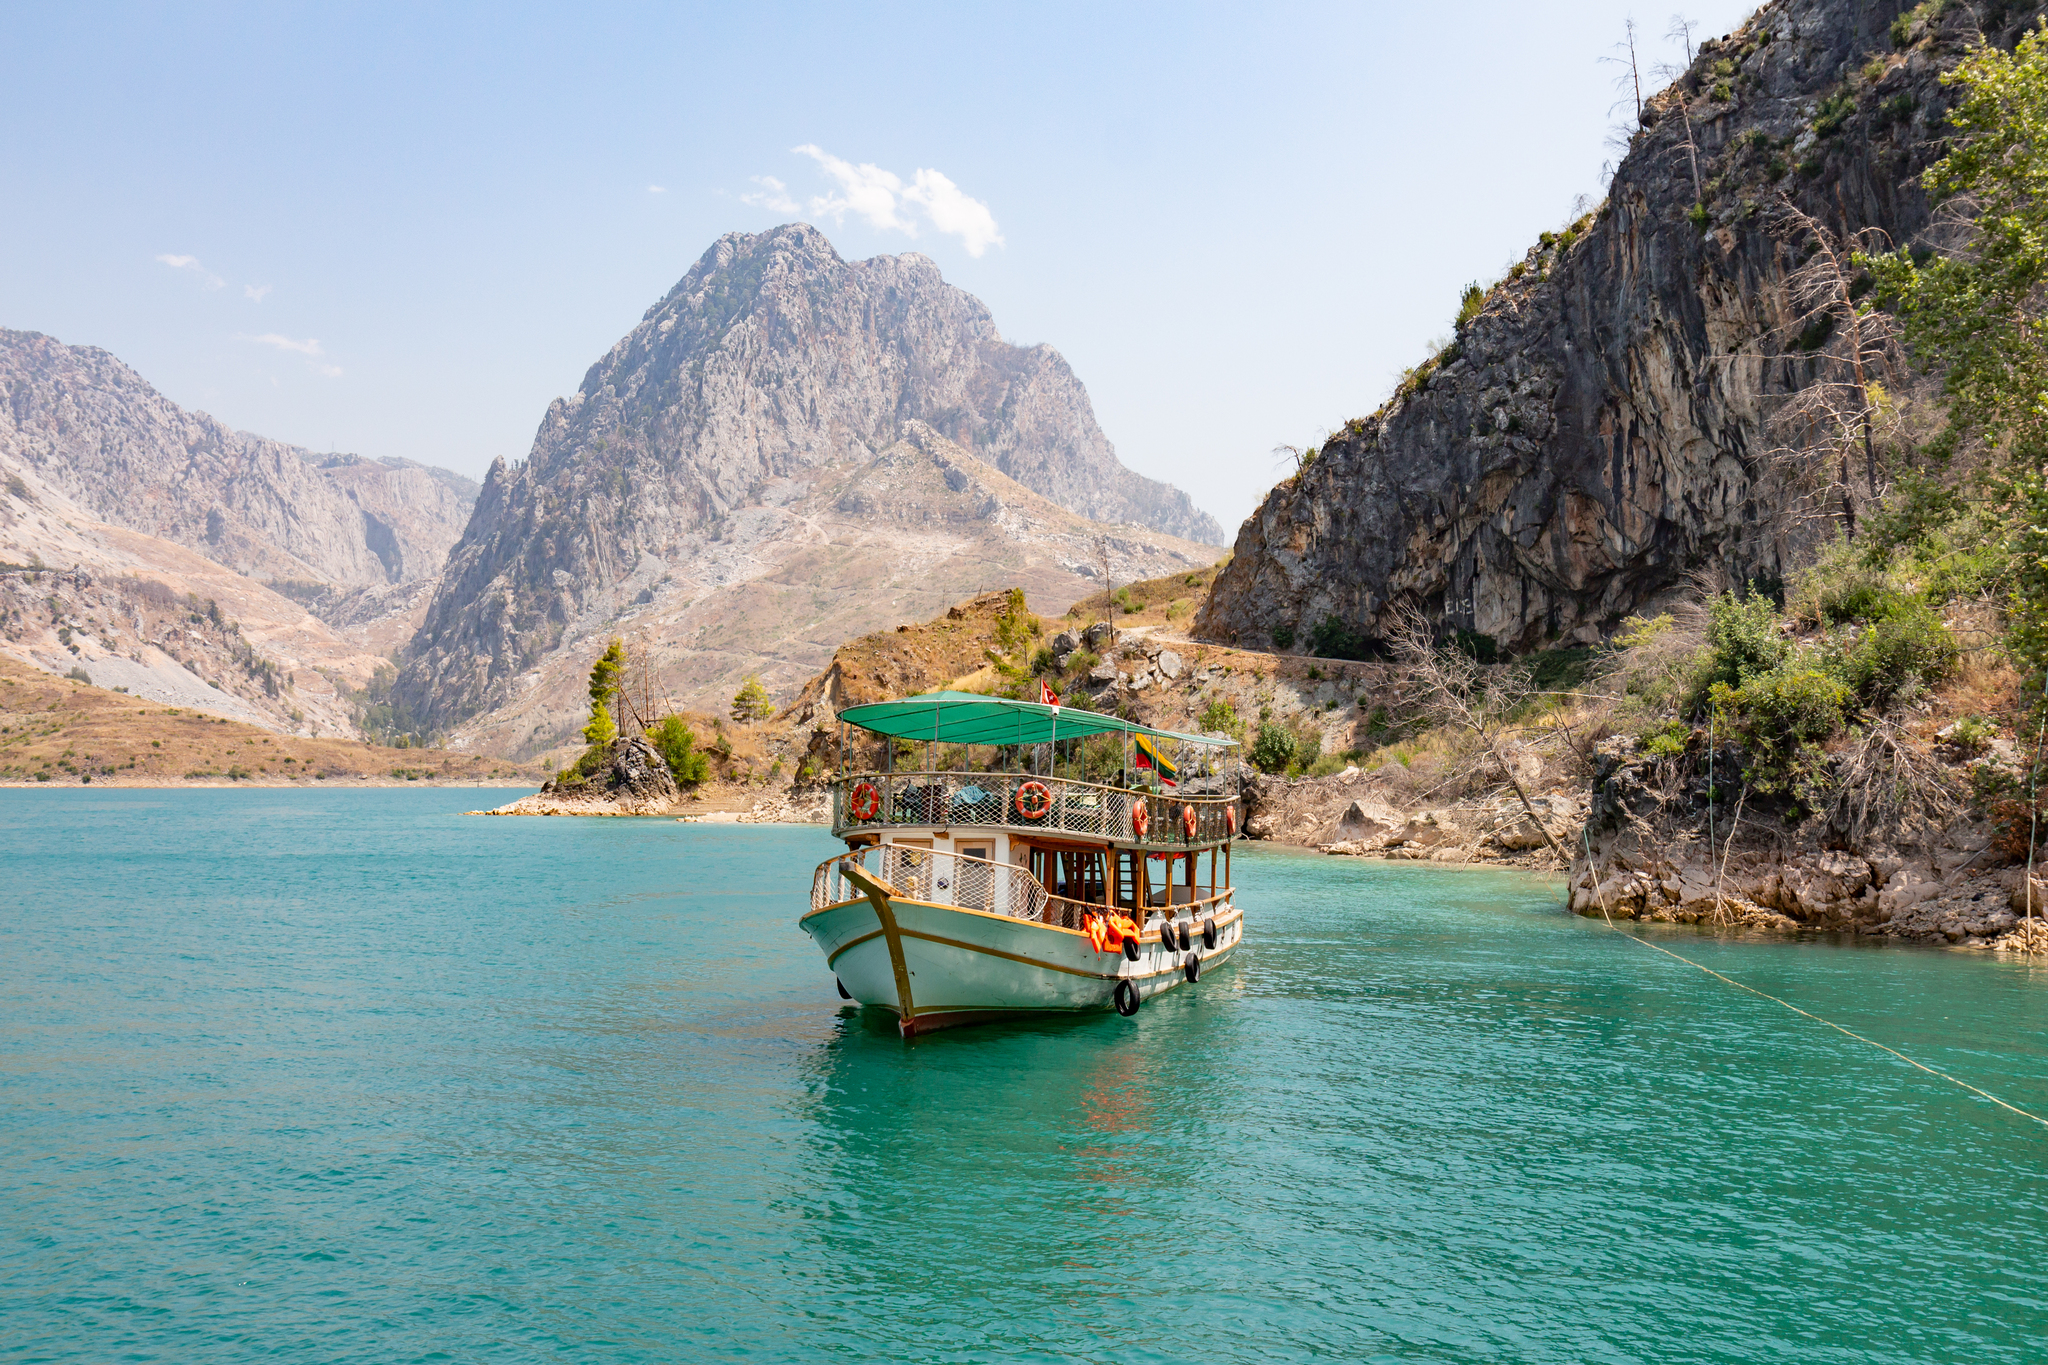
(751, 702)
(604, 685)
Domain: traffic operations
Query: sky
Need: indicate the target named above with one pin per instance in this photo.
(403, 230)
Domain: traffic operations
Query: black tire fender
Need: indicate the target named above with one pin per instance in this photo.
(1125, 997)
(1130, 949)
(1193, 968)
(1209, 932)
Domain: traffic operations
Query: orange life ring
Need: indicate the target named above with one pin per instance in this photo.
(1034, 801)
(1187, 818)
(866, 802)
(1230, 820)
(1141, 817)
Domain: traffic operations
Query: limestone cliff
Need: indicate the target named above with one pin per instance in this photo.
(318, 526)
(1596, 434)
(788, 450)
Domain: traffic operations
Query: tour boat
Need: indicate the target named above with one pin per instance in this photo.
(972, 892)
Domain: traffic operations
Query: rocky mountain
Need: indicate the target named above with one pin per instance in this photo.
(1598, 433)
(195, 565)
(773, 588)
(318, 527)
(788, 450)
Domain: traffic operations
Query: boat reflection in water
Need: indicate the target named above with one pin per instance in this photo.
(1038, 859)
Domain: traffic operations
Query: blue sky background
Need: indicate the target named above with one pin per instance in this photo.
(1237, 223)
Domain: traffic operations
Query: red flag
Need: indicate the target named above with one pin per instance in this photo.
(1046, 695)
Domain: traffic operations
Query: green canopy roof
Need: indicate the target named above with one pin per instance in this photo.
(969, 718)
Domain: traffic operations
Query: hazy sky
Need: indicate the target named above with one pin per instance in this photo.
(401, 233)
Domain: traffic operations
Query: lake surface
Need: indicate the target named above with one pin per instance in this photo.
(345, 1076)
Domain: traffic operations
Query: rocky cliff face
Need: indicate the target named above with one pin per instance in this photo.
(318, 527)
(1597, 434)
(773, 588)
(788, 450)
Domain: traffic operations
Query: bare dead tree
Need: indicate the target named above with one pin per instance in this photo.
(1681, 30)
(1456, 691)
(1631, 78)
(1823, 425)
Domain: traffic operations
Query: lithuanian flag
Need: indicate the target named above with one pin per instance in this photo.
(1150, 757)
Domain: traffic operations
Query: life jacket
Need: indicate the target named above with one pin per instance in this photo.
(1108, 932)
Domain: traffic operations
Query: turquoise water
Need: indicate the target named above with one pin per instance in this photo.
(345, 1076)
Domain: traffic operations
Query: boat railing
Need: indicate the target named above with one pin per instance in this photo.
(1020, 801)
(971, 883)
(920, 874)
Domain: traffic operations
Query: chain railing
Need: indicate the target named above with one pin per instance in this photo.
(1028, 804)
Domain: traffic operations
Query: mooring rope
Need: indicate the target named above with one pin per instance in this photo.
(1600, 894)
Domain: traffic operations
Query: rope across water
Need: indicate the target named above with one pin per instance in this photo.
(1601, 895)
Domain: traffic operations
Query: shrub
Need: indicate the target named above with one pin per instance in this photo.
(1273, 750)
(1283, 636)
(1220, 717)
(1668, 740)
(1905, 649)
(1833, 113)
(1327, 765)
(1469, 303)
(1779, 718)
(1308, 747)
(1743, 641)
(1042, 659)
(676, 742)
(1697, 216)
(1335, 640)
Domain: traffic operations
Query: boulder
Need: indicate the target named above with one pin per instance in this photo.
(1066, 642)
(1169, 664)
(1097, 636)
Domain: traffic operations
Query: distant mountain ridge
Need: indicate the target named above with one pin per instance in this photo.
(95, 430)
(695, 458)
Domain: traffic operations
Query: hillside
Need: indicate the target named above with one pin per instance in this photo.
(1599, 432)
(789, 450)
(59, 731)
(319, 527)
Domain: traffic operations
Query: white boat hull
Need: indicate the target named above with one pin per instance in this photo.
(937, 966)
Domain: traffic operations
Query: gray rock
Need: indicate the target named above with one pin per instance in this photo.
(1595, 441)
(1169, 664)
(1098, 636)
(772, 367)
(1065, 642)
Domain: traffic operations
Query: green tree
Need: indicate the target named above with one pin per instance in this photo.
(676, 742)
(751, 702)
(1976, 313)
(1274, 748)
(604, 686)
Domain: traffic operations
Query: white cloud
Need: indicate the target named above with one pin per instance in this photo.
(882, 198)
(191, 264)
(773, 195)
(256, 292)
(309, 348)
(953, 212)
(657, 189)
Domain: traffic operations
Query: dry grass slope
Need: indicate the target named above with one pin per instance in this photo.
(60, 731)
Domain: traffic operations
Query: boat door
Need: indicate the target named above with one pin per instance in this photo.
(974, 883)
